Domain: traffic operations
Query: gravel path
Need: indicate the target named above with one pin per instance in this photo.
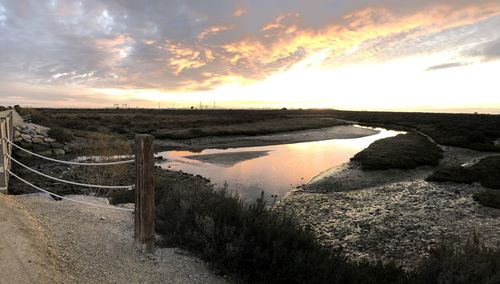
(24, 254)
(94, 245)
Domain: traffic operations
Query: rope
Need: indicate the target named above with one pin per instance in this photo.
(69, 162)
(70, 182)
(70, 199)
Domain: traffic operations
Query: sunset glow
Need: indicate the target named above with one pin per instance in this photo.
(378, 55)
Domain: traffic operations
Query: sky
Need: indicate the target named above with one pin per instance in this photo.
(438, 55)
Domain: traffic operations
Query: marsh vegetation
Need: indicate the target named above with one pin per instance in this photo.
(404, 151)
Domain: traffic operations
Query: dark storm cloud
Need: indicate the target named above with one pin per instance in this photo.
(189, 44)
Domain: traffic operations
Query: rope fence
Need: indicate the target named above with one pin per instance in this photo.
(144, 208)
(129, 187)
(67, 198)
(10, 158)
(70, 162)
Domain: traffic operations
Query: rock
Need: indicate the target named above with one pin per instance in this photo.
(17, 140)
(17, 134)
(37, 136)
(44, 133)
(37, 140)
(49, 140)
(25, 144)
(26, 137)
(40, 148)
(46, 153)
(21, 154)
(67, 149)
(58, 152)
(30, 131)
(57, 145)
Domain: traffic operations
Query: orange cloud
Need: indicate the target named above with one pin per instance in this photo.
(184, 57)
(119, 47)
(239, 13)
(281, 22)
(288, 40)
(211, 31)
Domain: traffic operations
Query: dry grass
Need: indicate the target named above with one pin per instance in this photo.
(104, 149)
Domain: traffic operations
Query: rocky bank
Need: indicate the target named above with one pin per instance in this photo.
(35, 138)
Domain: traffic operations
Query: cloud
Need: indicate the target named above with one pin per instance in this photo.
(367, 27)
(193, 45)
(446, 66)
(239, 12)
(212, 31)
(492, 50)
(487, 51)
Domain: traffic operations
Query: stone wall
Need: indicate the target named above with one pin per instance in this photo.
(36, 139)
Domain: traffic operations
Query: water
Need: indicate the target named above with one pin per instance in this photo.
(275, 169)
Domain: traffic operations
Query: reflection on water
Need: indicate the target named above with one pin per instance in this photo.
(276, 170)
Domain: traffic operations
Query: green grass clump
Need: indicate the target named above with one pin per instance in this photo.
(404, 151)
(490, 198)
(486, 172)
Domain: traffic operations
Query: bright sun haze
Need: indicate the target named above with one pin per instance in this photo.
(363, 55)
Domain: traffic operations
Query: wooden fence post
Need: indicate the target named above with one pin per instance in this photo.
(144, 193)
(3, 159)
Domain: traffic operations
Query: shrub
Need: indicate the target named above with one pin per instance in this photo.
(22, 111)
(454, 174)
(486, 171)
(122, 197)
(404, 151)
(40, 118)
(119, 129)
(463, 130)
(490, 198)
(60, 134)
(256, 243)
(453, 263)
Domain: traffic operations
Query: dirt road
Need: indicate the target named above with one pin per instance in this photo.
(24, 255)
(95, 245)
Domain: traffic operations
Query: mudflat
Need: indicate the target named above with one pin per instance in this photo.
(336, 132)
(228, 159)
(357, 210)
